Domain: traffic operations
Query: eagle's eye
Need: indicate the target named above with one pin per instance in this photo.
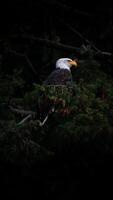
(69, 61)
(73, 63)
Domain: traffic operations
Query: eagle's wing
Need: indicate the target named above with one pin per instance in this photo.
(59, 77)
(47, 106)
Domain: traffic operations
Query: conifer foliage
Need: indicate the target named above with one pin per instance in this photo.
(78, 140)
(83, 112)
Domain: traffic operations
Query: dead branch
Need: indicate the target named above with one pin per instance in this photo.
(69, 47)
(53, 44)
(24, 120)
(98, 51)
(30, 64)
(68, 8)
(79, 34)
(106, 54)
(22, 112)
(28, 115)
(61, 46)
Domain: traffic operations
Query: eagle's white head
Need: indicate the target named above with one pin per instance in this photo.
(65, 63)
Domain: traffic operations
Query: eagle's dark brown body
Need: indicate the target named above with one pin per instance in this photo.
(59, 77)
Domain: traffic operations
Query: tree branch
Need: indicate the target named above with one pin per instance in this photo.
(67, 8)
(24, 120)
(28, 115)
(69, 47)
(30, 64)
(78, 33)
(53, 44)
(61, 46)
(22, 112)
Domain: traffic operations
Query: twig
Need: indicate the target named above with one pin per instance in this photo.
(44, 121)
(15, 52)
(68, 8)
(106, 53)
(98, 51)
(52, 110)
(30, 64)
(78, 33)
(24, 120)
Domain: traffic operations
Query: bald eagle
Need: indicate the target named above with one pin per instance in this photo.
(59, 77)
(62, 74)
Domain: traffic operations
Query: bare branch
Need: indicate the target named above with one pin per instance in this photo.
(68, 8)
(53, 44)
(79, 34)
(61, 46)
(22, 112)
(24, 120)
(29, 114)
(30, 64)
(106, 54)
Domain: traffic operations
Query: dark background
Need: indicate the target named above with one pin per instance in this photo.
(70, 23)
(93, 20)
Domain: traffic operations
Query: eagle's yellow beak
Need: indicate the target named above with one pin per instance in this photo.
(73, 63)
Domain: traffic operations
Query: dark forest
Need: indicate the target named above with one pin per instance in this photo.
(71, 154)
